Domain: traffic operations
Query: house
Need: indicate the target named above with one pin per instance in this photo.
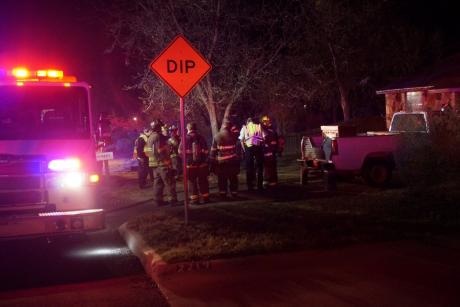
(429, 90)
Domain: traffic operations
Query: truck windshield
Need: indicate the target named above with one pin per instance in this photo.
(43, 112)
(406, 122)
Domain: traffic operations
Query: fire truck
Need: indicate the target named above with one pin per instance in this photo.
(48, 172)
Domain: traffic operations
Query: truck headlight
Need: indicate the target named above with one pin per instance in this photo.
(64, 165)
(72, 180)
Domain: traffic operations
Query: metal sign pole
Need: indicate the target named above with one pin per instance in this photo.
(184, 161)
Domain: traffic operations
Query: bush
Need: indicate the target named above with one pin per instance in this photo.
(430, 159)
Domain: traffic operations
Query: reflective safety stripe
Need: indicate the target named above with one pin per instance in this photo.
(144, 137)
(268, 154)
(221, 147)
(221, 158)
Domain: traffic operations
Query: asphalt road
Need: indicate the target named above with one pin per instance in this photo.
(31, 268)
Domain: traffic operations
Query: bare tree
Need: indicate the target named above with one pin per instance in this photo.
(349, 46)
(239, 38)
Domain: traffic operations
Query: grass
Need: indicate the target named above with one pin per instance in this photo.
(297, 218)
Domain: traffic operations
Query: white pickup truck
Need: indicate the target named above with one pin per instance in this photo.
(371, 154)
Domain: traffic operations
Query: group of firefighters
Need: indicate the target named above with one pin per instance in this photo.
(158, 150)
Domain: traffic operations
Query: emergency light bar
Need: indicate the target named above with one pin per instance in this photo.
(47, 75)
(21, 73)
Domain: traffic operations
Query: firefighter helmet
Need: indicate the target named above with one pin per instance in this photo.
(266, 121)
(156, 125)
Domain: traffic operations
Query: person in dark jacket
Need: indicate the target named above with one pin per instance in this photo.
(197, 165)
(225, 160)
(271, 147)
(160, 160)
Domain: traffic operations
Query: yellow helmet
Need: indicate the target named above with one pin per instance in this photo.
(266, 120)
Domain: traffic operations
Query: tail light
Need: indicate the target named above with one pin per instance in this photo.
(335, 147)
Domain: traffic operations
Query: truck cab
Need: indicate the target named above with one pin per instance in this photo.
(48, 172)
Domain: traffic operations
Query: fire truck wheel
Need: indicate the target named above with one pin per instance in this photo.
(378, 174)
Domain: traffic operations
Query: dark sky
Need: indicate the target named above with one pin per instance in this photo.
(69, 34)
(439, 16)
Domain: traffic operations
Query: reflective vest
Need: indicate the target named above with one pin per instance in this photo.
(145, 149)
(159, 150)
(251, 135)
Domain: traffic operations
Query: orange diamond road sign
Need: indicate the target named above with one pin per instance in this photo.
(181, 66)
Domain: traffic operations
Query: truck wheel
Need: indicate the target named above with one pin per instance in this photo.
(378, 174)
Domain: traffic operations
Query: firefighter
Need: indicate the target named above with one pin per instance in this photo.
(174, 141)
(271, 147)
(141, 154)
(225, 160)
(197, 165)
(251, 138)
(160, 161)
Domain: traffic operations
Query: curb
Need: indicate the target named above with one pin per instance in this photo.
(157, 269)
(152, 262)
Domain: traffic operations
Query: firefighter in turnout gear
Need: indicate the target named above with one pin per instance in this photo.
(141, 154)
(251, 138)
(225, 160)
(160, 161)
(197, 165)
(174, 141)
(271, 148)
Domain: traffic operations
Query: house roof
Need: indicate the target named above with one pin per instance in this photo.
(444, 75)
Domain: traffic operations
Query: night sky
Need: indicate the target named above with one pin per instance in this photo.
(70, 35)
(67, 35)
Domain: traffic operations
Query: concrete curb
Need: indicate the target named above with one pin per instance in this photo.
(152, 262)
(157, 269)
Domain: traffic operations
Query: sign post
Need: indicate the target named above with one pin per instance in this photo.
(181, 67)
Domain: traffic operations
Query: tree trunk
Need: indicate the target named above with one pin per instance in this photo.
(211, 106)
(228, 108)
(344, 103)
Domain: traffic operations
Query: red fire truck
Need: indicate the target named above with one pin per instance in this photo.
(48, 172)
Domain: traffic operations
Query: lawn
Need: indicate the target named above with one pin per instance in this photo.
(298, 218)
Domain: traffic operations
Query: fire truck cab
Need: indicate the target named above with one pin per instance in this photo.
(48, 172)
